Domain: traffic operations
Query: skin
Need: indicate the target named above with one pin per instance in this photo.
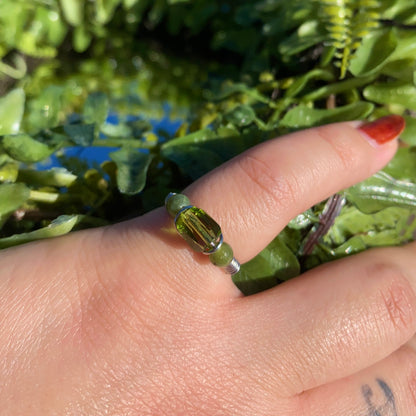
(127, 320)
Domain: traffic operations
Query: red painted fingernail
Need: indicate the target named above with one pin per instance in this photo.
(384, 129)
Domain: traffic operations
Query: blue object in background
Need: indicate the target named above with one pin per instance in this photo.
(94, 155)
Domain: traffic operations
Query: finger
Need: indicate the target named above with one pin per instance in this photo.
(252, 197)
(333, 321)
(386, 389)
(256, 194)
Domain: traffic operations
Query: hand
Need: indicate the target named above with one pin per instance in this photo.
(127, 320)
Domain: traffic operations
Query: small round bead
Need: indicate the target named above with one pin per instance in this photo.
(223, 256)
(175, 202)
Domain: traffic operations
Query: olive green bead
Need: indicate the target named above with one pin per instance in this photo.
(175, 202)
(223, 256)
(198, 229)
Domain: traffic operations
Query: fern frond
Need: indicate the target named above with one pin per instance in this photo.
(347, 23)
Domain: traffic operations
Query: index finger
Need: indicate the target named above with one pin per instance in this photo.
(254, 195)
(257, 193)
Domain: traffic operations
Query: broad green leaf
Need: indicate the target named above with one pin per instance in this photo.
(9, 171)
(80, 134)
(53, 177)
(132, 166)
(228, 89)
(272, 265)
(241, 115)
(400, 93)
(401, 69)
(96, 108)
(406, 46)
(192, 138)
(12, 197)
(307, 35)
(73, 11)
(403, 164)
(194, 161)
(374, 52)
(303, 116)
(355, 231)
(303, 220)
(24, 148)
(352, 222)
(60, 226)
(382, 191)
(104, 10)
(116, 130)
(12, 107)
(409, 133)
(81, 38)
(198, 154)
(45, 111)
(300, 83)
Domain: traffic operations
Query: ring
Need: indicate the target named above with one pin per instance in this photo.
(201, 232)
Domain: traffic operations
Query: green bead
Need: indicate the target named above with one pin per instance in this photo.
(223, 256)
(198, 229)
(175, 202)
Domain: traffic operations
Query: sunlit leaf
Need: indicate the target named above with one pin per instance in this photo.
(382, 191)
(12, 197)
(272, 265)
(62, 225)
(96, 108)
(398, 92)
(24, 148)
(53, 177)
(132, 166)
(11, 111)
(303, 116)
(73, 11)
(374, 52)
(80, 134)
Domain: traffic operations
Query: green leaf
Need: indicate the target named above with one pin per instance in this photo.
(374, 52)
(12, 108)
(197, 137)
(53, 177)
(81, 38)
(12, 197)
(403, 164)
(96, 108)
(272, 265)
(60, 226)
(354, 231)
(132, 166)
(73, 11)
(193, 160)
(200, 152)
(400, 93)
(382, 191)
(45, 111)
(303, 116)
(301, 82)
(80, 134)
(241, 115)
(24, 148)
(9, 171)
(307, 35)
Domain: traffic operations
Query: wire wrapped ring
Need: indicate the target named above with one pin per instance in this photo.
(201, 232)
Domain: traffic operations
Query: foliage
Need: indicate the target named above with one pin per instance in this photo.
(168, 90)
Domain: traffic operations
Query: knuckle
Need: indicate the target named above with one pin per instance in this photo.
(396, 299)
(341, 151)
(275, 190)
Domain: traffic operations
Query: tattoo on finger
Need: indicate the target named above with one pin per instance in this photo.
(380, 401)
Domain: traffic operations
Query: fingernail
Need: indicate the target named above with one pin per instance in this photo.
(384, 129)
